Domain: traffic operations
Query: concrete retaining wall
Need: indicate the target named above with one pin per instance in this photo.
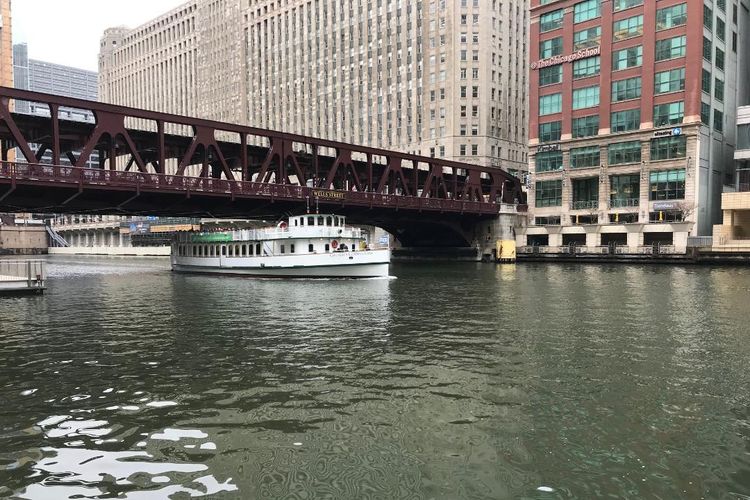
(23, 240)
(118, 251)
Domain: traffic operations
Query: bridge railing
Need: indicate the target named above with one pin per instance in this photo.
(92, 177)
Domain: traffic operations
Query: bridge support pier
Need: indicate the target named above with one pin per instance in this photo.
(484, 237)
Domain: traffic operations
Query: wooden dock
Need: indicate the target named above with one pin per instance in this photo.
(22, 276)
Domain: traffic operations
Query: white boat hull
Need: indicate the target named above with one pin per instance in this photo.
(361, 264)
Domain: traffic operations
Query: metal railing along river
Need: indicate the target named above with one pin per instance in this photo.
(22, 275)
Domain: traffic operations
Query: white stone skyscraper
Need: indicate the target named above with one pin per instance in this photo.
(436, 77)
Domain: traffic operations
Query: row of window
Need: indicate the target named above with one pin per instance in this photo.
(619, 153)
(667, 17)
(237, 250)
(671, 113)
(624, 191)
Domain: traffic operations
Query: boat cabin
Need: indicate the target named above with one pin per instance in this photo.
(303, 234)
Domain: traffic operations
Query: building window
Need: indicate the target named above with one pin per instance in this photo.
(549, 161)
(474, 149)
(624, 152)
(589, 9)
(668, 148)
(550, 75)
(585, 157)
(550, 104)
(585, 193)
(624, 190)
(718, 121)
(708, 17)
(587, 97)
(627, 58)
(705, 113)
(586, 67)
(669, 17)
(719, 90)
(462, 150)
(626, 4)
(719, 58)
(670, 113)
(627, 28)
(623, 121)
(622, 90)
(551, 20)
(586, 126)
(590, 37)
(671, 48)
(548, 193)
(669, 81)
(721, 29)
(707, 49)
(550, 132)
(550, 48)
(706, 81)
(667, 185)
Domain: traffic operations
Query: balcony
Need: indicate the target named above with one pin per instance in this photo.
(585, 205)
(624, 203)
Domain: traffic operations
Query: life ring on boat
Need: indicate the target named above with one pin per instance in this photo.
(334, 244)
(282, 225)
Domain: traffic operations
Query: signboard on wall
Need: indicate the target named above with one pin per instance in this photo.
(547, 147)
(555, 60)
(672, 132)
(666, 205)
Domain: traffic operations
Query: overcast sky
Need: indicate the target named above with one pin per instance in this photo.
(68, 31)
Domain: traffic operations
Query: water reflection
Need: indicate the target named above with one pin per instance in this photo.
(453, 381)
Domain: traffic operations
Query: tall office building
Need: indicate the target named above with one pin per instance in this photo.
(439, 77)
(632, 107)
(50, 78)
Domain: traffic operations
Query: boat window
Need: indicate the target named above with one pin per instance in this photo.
(328, 247)
(320, 220)
(193, 247)
(257, 249)
(336, 221)
(310, 248)
(301, 221)
(244, 250)
(211, 250)
(283, 249)
(329, 221)
(231, 250)
(291, 249)
(311, 221)
(223, 250)
(295, 221)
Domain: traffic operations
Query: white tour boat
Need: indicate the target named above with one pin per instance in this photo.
(308, 246)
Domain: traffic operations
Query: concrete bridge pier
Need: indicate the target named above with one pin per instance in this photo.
(479, 239)
(488, 233)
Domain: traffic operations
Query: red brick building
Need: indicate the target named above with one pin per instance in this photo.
(632, 105)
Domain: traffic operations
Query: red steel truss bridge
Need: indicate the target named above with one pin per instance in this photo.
(131, 161)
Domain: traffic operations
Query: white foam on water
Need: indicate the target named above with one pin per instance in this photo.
(546, 489)
(177, 434)
(161, 404)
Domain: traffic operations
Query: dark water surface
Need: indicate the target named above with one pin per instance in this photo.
(452, 381)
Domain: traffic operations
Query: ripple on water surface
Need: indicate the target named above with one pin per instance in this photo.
(453, 381)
